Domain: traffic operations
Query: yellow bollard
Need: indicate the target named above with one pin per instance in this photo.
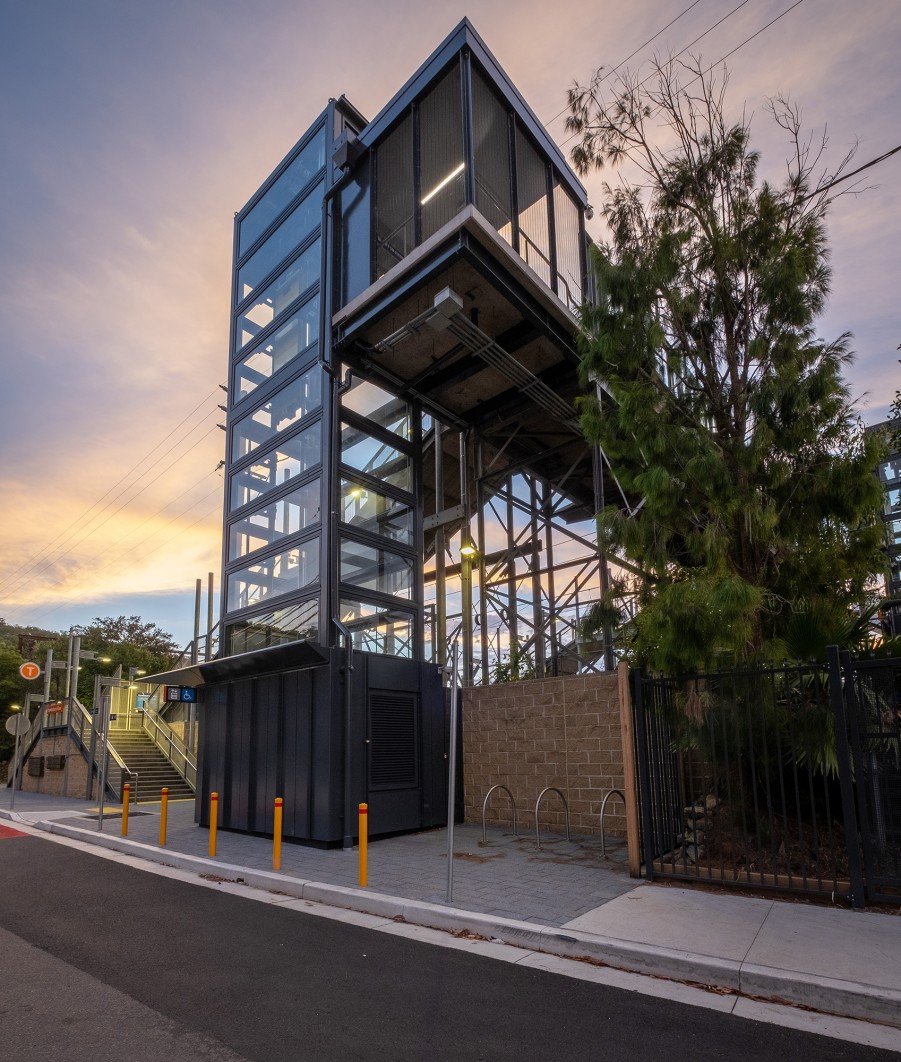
(214, 821)
(364, 844)
(126, 797)
(164, 815)
(277, 835)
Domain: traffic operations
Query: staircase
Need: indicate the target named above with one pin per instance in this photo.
(154, 771)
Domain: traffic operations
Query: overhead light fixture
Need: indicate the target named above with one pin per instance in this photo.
(468, 547)
(442, 184)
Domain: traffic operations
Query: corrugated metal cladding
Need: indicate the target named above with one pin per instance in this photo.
(282, 734)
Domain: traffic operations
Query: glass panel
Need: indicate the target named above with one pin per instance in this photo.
(377, 513)
(378, 406)
(492, 161)
(394, 229)
(370, 568)
(294, 457)
(295, 336)
(376, 458)
(378, 630)
(280, 518)
(282, 573)
(301, 274)
(568, 239)
(531, 194)
(442, 185)
(294, 178)
(292, 624)
(298, 224)
(284, 408)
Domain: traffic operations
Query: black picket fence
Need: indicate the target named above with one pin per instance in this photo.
(780, 779)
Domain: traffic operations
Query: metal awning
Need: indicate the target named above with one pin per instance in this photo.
(290, 657)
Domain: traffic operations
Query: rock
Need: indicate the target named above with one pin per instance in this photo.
(711, 802)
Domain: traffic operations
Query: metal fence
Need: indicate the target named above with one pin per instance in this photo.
(780, 778)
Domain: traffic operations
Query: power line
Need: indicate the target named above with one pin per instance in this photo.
(16, 576)
(631, 55)
(723, 58)
(43, 565)
(853, 173)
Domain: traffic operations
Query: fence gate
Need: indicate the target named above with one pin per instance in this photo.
(872, 695)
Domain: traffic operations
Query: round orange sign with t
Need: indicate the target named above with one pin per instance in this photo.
(30, 670)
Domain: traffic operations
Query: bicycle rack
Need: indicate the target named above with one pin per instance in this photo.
(485, 808)
(550, 789)
(607, 796)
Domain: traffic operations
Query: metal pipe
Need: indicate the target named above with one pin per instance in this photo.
(164, 815)
(197, 591)
(551, 789)
(71, 696)
(347, 843)
(208, 648)
(485, 808)
(607, 796)
(452, 773)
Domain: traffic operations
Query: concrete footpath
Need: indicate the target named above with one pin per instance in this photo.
(564, 900)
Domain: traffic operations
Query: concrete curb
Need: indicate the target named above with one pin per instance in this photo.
(828, 995)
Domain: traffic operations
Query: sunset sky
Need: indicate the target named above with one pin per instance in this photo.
(131, 132)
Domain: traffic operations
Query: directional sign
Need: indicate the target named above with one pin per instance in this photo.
(30, 670)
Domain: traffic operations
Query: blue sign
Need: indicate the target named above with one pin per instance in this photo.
(188, 693)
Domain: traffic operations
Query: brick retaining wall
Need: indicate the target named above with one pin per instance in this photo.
(562, 732)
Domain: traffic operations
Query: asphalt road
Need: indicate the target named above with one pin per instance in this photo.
(100, 961)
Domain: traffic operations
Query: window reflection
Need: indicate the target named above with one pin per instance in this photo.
(291, 183)
(371, 568)
(291, 624)
(300, 275)
(294, 337)
(368, 510)
(298, 224)
(374, 457)
(285, 516)
(378, 406)
(282, 573)
(287, 461)
(378, 630)
(284, 408)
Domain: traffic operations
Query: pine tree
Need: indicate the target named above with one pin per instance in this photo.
(726, 420)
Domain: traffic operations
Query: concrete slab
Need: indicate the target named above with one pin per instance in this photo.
(684, 920)
(848, 945)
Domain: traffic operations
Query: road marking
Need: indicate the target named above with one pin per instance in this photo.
(7, 831)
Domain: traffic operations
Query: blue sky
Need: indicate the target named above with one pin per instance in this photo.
(131, 132)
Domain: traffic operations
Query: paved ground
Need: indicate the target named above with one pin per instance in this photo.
(506, 877)
(156, 968)
(555, 904)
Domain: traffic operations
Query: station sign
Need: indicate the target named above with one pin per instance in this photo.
(30, 670)
(187, 694)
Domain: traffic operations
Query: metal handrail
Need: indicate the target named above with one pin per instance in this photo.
(551, 789)
(171, 746)
(485, 807)
(607, 796)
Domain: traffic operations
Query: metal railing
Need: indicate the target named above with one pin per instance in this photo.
(81, 724)
(171, 746)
